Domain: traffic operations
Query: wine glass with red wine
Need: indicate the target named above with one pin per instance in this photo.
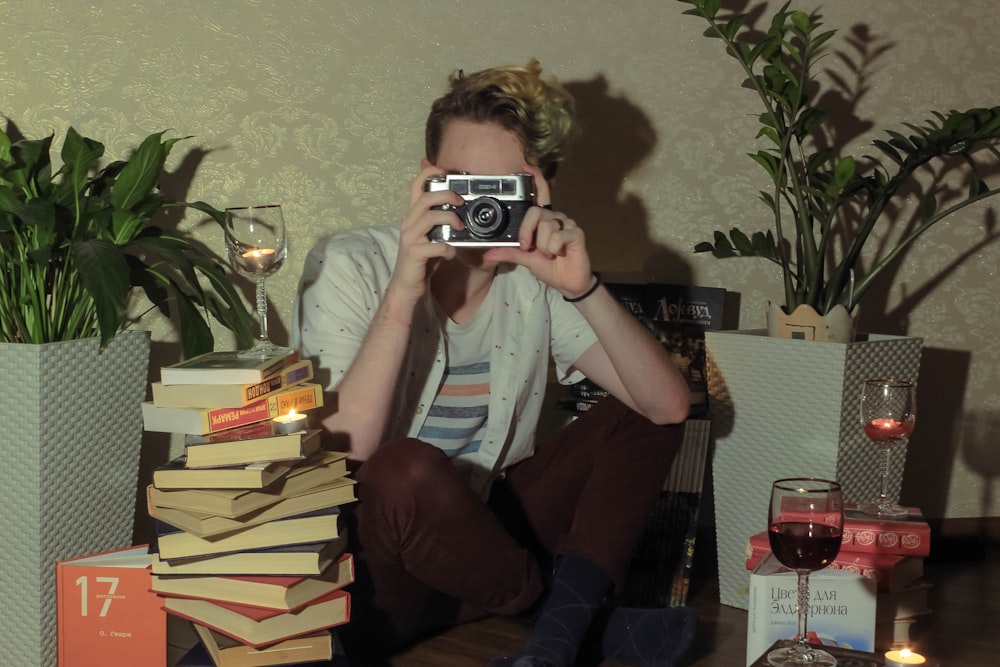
(888, 414)
(805, 527)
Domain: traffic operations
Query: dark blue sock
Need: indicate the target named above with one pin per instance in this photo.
(648, 637)
(578, 589)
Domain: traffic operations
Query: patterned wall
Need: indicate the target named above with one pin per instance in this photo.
(319, 104)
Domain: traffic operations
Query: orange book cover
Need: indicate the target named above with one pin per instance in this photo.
(106, 614)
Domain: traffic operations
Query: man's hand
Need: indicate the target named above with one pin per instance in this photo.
(552, 245)
(416, 252)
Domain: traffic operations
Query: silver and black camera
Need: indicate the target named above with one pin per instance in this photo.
(493, 210)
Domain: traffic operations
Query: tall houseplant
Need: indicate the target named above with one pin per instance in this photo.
(825, 206)
(78, 241)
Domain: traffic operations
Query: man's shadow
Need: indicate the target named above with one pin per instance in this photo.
(616, 137)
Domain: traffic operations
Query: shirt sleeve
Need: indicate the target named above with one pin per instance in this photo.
(341, 289)
(571, 337)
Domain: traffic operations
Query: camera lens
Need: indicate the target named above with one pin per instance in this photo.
(485, 218)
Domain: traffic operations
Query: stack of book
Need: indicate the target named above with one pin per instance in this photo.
(249, 544)
(889, 551)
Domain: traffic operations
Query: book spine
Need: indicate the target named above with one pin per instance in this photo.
(300, 398)
(301, 371)
(909, 540)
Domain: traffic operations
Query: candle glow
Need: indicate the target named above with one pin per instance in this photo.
(903, 657)
(258, 259)
(290, 423)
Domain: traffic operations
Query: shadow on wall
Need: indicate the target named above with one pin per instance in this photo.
(933, 448)
(979, 451)
(617, 136)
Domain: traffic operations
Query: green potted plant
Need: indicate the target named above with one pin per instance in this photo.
(77, 242)
(825, 206)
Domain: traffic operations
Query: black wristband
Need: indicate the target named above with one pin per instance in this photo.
(593, 288)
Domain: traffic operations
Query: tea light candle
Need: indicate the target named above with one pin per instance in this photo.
(258, 259)
(903, 658)
(290, 423)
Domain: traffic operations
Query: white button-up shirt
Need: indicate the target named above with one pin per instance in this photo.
(342, 285)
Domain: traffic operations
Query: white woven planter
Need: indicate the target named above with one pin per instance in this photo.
(789, 408)
(72, 431)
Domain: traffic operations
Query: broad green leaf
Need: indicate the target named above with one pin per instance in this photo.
(79, 155)
(844, 171)
(105, 275)
(140, 174)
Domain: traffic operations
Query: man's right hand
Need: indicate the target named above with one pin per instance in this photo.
(417, 254)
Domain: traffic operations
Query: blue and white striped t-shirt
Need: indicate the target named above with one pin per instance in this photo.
(457, 419)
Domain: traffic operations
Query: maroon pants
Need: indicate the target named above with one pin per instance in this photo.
(431, 554)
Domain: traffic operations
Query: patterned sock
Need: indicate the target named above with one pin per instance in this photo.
(648, 637)
(578, 589)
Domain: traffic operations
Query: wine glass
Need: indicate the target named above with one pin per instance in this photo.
(888, 414)
(255, 239)
(805, 525)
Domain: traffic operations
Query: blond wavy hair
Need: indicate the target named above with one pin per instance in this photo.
(538, 112)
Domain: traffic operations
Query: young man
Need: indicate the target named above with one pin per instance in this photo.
(440, 355)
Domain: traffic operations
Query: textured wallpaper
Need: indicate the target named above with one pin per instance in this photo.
(319, 105)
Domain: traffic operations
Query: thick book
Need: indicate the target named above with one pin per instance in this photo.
(310, 559)
(908, 535)
(338, 492)
(176, 475)
(238, 502)
(229, 395)
(222, 449)
(318, 525)
(104, 608)
(263, 627)
(224, 651)
(845, 657)
(227, 367)
(890, 572)
(199, 421)
(271, 592)
(841, 609)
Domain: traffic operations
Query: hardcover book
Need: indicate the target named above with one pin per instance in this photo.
(270, 592)
(337, 492)
(890, 572)
(841, 611)
(104, 608)
(914, 600)
(176, 475)
(909, 535)
(238, 502)
(318, 525)
(199, 421)
(258, 627)
(226, 652)
(226, 367)
(310, 559)
(229, 395)
(223, 449)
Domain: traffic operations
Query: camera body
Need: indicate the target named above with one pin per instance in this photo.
(493, 210)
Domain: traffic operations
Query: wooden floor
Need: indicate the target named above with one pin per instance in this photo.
(963, 629)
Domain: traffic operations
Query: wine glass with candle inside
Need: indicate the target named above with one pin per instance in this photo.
(888, 414)
(256, 242)
(805, 527)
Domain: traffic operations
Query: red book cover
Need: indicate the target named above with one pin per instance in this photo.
(891, 572)
(106, 614)
(259, 627)
(908, 535)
